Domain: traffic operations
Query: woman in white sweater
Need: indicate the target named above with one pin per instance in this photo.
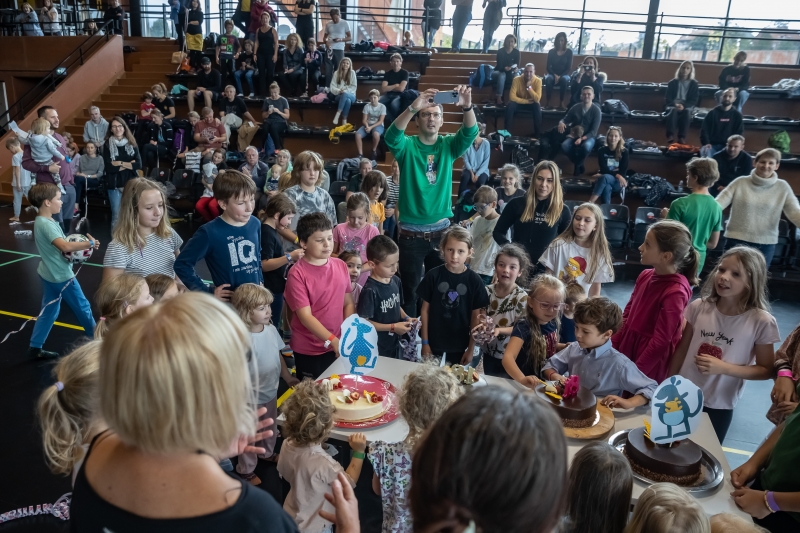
(343, 86)
(757, 202)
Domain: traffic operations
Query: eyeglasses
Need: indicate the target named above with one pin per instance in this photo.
(434, 115)
(546, 306)
(480, 207)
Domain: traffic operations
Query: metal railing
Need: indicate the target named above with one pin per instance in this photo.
(48, 83)
(73, 21)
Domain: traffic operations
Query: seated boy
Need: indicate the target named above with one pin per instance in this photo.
(230, 244)
(602, 369)
(381, 296)
(318, 293)
(699, 211)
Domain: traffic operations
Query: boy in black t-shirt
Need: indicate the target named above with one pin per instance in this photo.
(278, 213)
(227, 50)
(381, 298)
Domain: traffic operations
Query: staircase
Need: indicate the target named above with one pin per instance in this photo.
(143, 68)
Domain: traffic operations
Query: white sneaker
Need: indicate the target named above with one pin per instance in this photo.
(240, 95)
(251, 95)
(344, 121)
(336, 118)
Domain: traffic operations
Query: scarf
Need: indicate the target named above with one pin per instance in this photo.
(114, 145)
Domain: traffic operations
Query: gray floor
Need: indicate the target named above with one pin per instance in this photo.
(749, 427)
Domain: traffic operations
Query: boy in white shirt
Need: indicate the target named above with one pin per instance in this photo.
(483, 224)
(374, 115)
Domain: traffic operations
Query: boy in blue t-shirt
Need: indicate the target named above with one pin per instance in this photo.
(380, 298)
(230, 244)
(58, 280)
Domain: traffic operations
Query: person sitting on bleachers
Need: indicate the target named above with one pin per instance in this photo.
(720, 123)
(587, 75)
(233, 113)
(209, 133)
(394, 83)
(275, 114)
(587, 115)
(683, 93)
(526, 92)
(343, 87)
(559, 63)
(209, 85)
(254, 168)
(732, 162)
(508, 59)
(292, 79)
(313, 62)
(613, 162)
(156, 141)
(735, 76)
(96, 127)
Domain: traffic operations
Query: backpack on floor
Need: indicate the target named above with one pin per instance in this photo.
(482, 76)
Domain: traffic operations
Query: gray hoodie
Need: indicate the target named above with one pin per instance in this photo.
(95, 132)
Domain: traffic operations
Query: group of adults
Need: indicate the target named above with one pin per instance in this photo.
(48, 20)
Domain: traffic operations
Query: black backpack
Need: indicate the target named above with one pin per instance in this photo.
(482, 76)
(616, 107)
(363, 46)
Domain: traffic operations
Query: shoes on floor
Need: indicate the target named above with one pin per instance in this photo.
(251, 478)
(38, 353)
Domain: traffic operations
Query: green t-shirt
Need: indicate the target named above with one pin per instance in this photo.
(52, 267)
(426, 173)
(702, 215)
(780, 475)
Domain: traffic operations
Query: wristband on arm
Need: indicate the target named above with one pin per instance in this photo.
(358, 455)
(785, 373)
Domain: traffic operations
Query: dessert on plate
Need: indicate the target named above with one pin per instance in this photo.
(354, 405)
(575, 405)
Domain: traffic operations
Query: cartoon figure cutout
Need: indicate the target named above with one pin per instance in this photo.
(359, 344)
(676, 404)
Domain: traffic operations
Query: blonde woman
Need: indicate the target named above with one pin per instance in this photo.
(343, 86)
(156, 370)
(29, 22)
(292, 79)
(539, 216)
(162, 101)
(683, 93)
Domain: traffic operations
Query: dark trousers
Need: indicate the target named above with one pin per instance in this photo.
(454, 358)
(179, 30)
(678, 120)
(768, 250)
(275, 130)
(494, 367)
(293, 83)
(462, 16)
(392, 101)
(266, 73)
(390, 227)
(721, 420)
(195, 56)
(312, 366)
(312, 80)
(412, 256)
(550, 82)
(151, 154)
(512, 108)
(226, 68)
(467, 185)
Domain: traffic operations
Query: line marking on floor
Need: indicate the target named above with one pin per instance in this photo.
(734, 450)
(28, 317)
(16, 260)
(284, 396)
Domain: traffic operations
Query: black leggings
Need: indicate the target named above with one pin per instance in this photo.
(312, 366)
(266, 73)
(294, 83)
(275, 130)
(151, 154)
(721, 420)
(195, 56)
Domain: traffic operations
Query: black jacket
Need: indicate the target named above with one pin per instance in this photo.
(152, 130)
(692, 95)
(116, 177)
(719, 125)
(534, 235)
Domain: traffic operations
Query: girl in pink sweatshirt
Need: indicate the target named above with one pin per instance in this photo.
(652, 320)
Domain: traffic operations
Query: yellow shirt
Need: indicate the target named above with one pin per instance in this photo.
(521, 95)
(378, 214)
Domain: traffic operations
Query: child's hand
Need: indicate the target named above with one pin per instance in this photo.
(96, 242)
(787, 408)
(555, 376)
(402, 327)
(243, 443)
(664, 212)
(222, 293)
(335, 347)
(296, 255)
(291, 380)
(426, 350)
(530, 381)
(741, 476)
(783, 390)
(615, 401)
(750, 501)
(709, 365)
(467, 357)
(344, 502)
(358, 442)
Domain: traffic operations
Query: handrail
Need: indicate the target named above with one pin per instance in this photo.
(18, 109)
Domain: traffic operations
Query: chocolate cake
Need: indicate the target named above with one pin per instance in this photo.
(679, 463)
(577, 412)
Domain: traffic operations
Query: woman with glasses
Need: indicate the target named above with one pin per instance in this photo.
(121, 160)
(539, 216)
(475, 173)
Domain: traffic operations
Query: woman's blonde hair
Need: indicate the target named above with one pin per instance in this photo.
(247, 298)
(753, 263)
(730, 523)
(113, 298)
(538, 349)
(340, 72)
(667, 508)
(40, 126)
(296, 40)
(620, 143)
(427, 391)
(174, 377)
(159, 87)
(556, 197)
(599, 251)
(68, 408)
(309, 414)
(126, 231)
(514, 170)
(303, 160)
(680, 67)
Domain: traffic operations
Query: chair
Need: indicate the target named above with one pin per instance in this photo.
(338, 191)
(616, 217)
(644, 217)
(161, 175)
(183, 180)
(782, 247)
(573, 205)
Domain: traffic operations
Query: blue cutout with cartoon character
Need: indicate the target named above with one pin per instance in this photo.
(359, 344)
(672, 412)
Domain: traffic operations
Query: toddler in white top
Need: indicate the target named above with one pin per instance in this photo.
(44, 147)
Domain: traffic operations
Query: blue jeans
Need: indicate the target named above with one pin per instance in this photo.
(467, 185)
(237, 76)
(577, 153)
(390, 227)
(768, 250)
(706, 152)
(276, 306)
(76, 301)
(392, 102)
(461, 17)
(114, 198)
(412, 262)
(550, 82)
(741, 98)
(345, 100)
(605, 186)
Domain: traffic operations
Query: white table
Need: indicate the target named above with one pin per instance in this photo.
(394, 371)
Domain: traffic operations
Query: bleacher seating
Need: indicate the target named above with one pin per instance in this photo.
(645, 216)
(616, 218)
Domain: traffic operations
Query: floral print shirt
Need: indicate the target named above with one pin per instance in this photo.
(505, 312)
(392, 464)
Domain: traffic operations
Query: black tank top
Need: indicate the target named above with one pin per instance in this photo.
(266, 43)
(254, 511)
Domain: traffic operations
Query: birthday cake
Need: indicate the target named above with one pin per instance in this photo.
(353, 405)
(678, 463)
(575, 405)
(465, 374)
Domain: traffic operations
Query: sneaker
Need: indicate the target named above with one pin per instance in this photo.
(251, 95)
(251, 478)
(240, 95)
(38, 353)
(374, 155)
(304, 95)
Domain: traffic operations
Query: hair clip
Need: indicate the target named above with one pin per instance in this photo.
(102, 318)
(59, 386)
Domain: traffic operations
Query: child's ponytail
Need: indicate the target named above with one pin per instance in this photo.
(68, 407)
(674, 237)
(689, 269)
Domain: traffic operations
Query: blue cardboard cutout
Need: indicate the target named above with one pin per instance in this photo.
(676, 404)
(359, 344)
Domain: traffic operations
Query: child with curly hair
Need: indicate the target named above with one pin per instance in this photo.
(304, 463)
